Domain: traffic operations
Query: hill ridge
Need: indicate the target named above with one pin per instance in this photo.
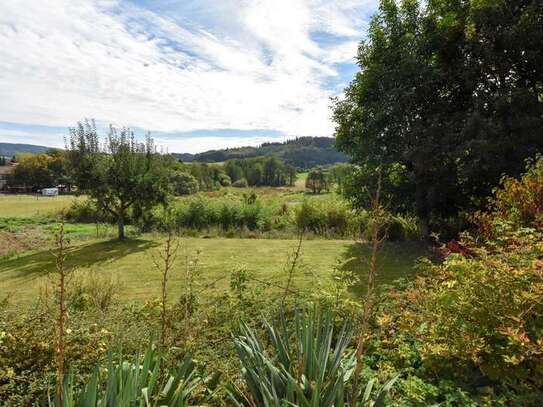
(303, 152)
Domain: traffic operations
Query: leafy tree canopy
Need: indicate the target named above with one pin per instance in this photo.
(120, 173)
(451, 91)
(317, 181)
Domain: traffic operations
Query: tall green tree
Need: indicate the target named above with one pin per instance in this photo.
(316, 181)
(120, 174)
(291, 174)
(451, 92)
(255, 173)
(34, 171)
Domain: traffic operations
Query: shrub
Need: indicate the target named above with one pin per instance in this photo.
(88, 290)
(403, 228)
(224, 180)
(480, 310)
(133, 383)
(86, 211)
(252, 216)
(240, 183)
(337, 218)
(229, 215)
(484, 312)
(199, 215)
(317, 181)
(518, 203)
(314, 370)
(308, 218)
(184, 183)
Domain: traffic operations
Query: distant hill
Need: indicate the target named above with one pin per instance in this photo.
(185, 157)
(302, 152)
(10, 149)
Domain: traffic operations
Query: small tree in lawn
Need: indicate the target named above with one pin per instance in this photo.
(316, 181)
(119, 174)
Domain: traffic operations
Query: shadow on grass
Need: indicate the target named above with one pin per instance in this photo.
(40, 263)
(396, 260)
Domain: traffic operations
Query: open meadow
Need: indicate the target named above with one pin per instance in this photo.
(27, 225)
(21, 206)
(130, 263)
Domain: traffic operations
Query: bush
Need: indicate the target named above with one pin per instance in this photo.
(88, 290)
(184, 183)
(403, 228)
(315, 370)
(484, 312)
(317, 181)
(224, 180)
(229, 215)
(518, 203)
(240, 183)
(479, 313)
(330, 218)
(337, 219)
(199, 215)
(308, 218)
(252, 217)
(86, 211)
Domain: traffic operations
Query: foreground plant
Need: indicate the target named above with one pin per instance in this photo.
(137, 383)
(308, 366)
(60, 297)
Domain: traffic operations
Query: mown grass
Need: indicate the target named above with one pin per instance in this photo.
(131, 264)
(27, 227)
(26, 206)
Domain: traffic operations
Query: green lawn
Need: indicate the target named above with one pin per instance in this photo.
(32, 205)
(130, 263)
(23, 272)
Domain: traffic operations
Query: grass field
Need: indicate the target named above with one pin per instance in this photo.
(131, 263)
(26, 240)
(32, 205)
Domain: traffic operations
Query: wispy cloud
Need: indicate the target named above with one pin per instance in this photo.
(178, 66)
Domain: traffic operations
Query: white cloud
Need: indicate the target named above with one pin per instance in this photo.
(63, 60)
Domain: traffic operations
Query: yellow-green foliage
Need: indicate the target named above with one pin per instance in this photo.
(485, 309)
(481, 308)
(520, 202)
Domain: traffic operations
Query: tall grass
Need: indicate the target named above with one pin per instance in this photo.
(327, 216)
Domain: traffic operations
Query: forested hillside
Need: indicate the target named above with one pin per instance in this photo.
(302, 152)
(10, 149)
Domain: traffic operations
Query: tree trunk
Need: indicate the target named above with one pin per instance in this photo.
(120, 227)
(422, 210)
(424, 226)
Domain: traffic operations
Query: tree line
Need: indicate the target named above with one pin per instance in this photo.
(37, 171)
(262, 171)
(123, 175)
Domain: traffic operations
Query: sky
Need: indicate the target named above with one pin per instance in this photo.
(197, 74)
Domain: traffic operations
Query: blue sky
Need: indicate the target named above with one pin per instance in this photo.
(197, 74)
